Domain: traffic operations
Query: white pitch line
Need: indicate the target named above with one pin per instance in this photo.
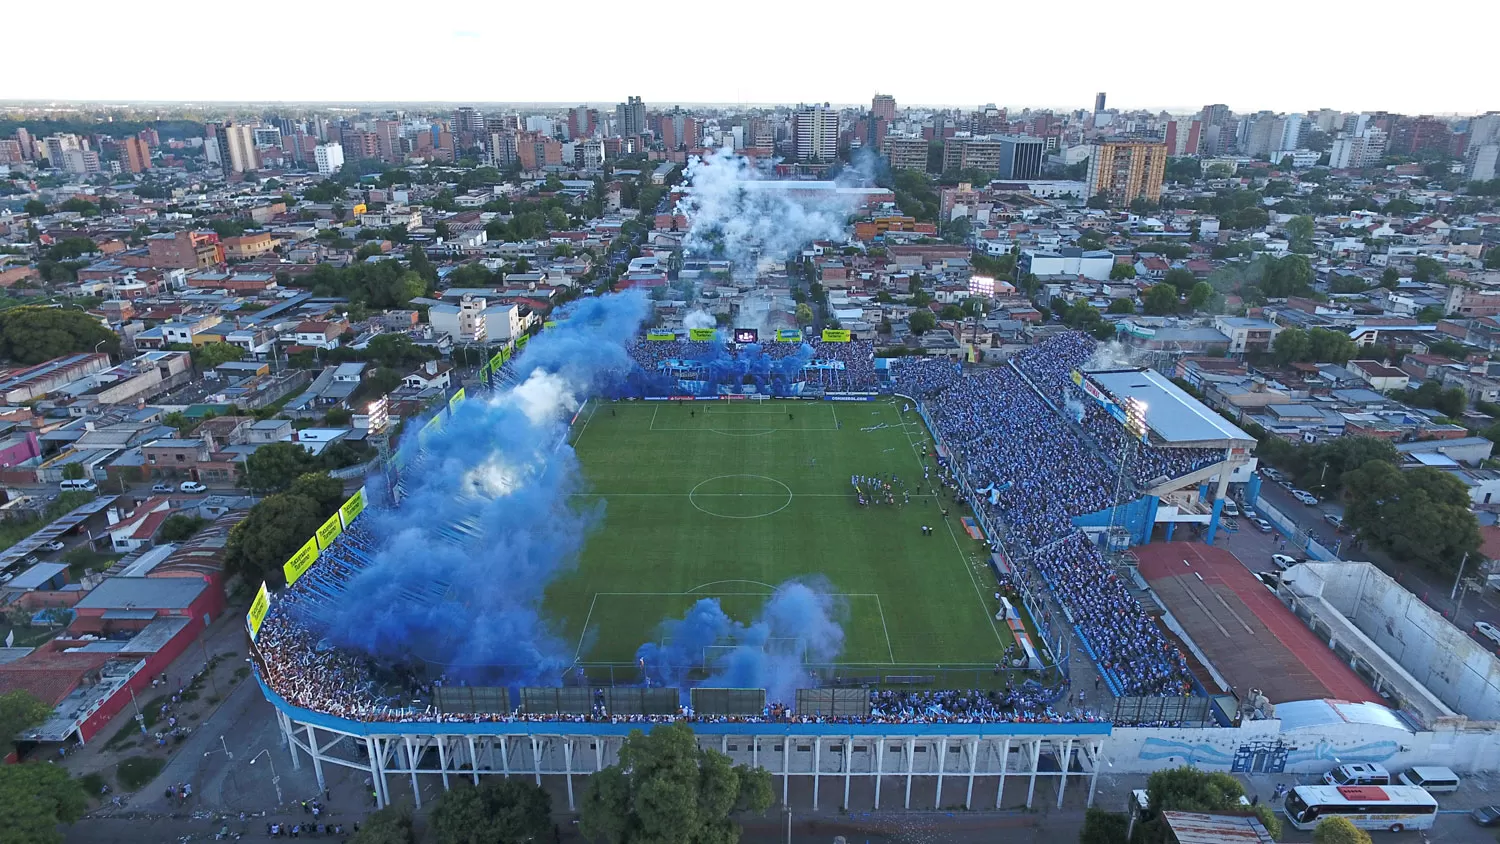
(722, 494)
(880, 606)
(584, 635)
(585, 423)
(654, 409)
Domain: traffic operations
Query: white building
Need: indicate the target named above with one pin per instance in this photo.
(330, 157)
(816, 130)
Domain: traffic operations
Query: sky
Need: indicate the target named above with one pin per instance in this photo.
(1178, 56)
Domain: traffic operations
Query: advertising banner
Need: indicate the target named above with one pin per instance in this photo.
(522, 341)
(456, 400)
(498, 360)
(258, 610)
(746, 335)
(433, 425)
(789, 335)
(329, 531)
(551, 323)
(702, 335)
(661, 336)
(353, 507)
(301, 561)
(835, 335)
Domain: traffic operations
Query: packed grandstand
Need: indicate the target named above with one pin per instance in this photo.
(1009, 429)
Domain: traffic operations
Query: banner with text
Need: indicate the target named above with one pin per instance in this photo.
(835, 335)
(702, 335)
(456, 400)
(522, 341)
(661, 336)
(789, 335)
(329, 531)
(301, 561)
(353, 507)
(498, 360)
(258, 609)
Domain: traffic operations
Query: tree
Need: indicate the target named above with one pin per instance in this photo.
(1328, 346)
(34, 799)
(666, 788)
(274, 466)
(180, 527)
(1390, 279)
(1339, 830)
(1425, 269)
(1422, 514)
(35, 208)
(1300, 228)
(1219, 171)
(272, 531)
(805, 314)
(73, 472)
(1160, 300)
(210, 355)
(1188, 789)
(1181, 279)
(391, 825)
(921, 321)
(1323, 465)
(951, 312)
(321, 489)
(1099, 202)
(497, 812)
(1199, 295)
(958, 230)
(1101, 827)
(32, 334)
(1122, 272)
(19, 710)
(1492, 258)
(1121, 306)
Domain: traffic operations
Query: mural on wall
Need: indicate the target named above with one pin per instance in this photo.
(1265, 756)
(1201, 753)
(1324, 751)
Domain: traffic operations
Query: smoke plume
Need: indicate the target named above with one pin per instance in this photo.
(489, 520)
(799, 625)
(1109, 355)
(699, 319)
(737, 212)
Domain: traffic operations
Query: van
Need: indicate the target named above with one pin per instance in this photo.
(1432, 779)
(1358, 773)
(84, 485)
(1230, 508)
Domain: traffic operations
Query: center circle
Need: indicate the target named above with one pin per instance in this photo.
(740, 496)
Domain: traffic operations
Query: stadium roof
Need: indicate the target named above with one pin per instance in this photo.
(1176, 416)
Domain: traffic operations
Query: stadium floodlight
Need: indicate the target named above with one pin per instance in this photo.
(1135, 418)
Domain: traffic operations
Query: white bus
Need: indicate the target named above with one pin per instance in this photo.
(1392, 807)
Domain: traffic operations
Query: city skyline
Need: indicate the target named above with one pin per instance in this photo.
(467, 56)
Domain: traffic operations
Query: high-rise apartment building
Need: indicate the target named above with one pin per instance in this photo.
(359, 145)
(963, 151)
(57, 146)
(329, 158)
(10, 151)
(1183, 137)
(582, 122)
(388, 141)
(267, 136)
(135, 156)
(1099, 102)
(815, 133)
(535, 150)
(467, 119)
(883, 106)
(27, 144)
(1127, 170)
(233, 146)
(501, 148)
(630, 117)
(1021, 157)
(906, 152)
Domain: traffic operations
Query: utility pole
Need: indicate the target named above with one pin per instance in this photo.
(1454, 594)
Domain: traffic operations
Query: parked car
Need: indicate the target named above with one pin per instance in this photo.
(192, 487)
(1283, 561)
(1305, 497)
(1486, 815)
(1285, 484)
(1270, 579)
(53, 546)
(1262, 525)
(162, 488)
(1335, 520)
(1488, 631)
(1231, 508)
(1249, 513)
(1271, 473)
(31, 560)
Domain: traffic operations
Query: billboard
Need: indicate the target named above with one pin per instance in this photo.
(661, 336)
(258, 609)
(456, 400)
(835, 335)
(301, 561)
(789, 335)
(522, 341)
(551, 323)
(353, 507)
(329, 531)
(746, 335)
(702, 335)
(498, 360)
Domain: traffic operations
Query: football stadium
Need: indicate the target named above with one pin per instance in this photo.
(766, 539)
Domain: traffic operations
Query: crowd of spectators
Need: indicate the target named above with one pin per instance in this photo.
(830, 366)
(920, 377)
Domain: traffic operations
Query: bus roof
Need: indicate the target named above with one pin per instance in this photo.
(1364, 794)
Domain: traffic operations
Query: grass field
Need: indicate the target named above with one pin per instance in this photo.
(711, 499)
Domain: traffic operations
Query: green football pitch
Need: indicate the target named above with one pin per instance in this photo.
(727, 500)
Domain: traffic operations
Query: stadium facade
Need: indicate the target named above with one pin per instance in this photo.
(1006, 762)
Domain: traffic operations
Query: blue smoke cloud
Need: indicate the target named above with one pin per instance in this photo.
(799, 624)
(489, 519)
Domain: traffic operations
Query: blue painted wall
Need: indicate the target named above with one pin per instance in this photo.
(1137, 516)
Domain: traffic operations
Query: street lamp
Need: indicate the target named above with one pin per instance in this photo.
(275, 780)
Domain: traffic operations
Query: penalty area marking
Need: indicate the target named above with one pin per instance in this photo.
(693, 493)
(717, 582)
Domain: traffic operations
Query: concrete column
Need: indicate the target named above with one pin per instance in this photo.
(755, 751)
(1067, 765)
(442, 743)
(473, 760)
(1094, 780)
(848, 763)
(598, 754)
(1036, 761)
(786, 769)
(536, 760)
(942, 765)
(377, 774)
(911, 755)
(879, 768)
(317, 757)
(568, 769)
(288, 732)
(1004, 763)
(817, 760)
(411, 767)
(973, 762)
(504, 757)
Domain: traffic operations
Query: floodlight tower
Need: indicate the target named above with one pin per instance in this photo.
(1135, 434)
